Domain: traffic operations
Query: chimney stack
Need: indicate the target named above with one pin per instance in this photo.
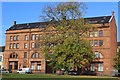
(14, 23)
(113, 13)
(53, 19)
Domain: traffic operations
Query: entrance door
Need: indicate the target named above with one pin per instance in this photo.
(10, 67)
(49, 68)
(16, 65)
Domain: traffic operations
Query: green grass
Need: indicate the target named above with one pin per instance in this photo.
(54, 77)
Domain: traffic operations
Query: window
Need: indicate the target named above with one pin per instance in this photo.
(33, 45)
(11, 45)
(36, 55)
(91, 34)
(51, 45)
(33, 56)
(100, 66)
(24, 66)
(37, 36)
(33, 37)
(39, 65)
(98, 55)
(17, 45)
(10, 55)
(37, 45)
(26, 37)
(11, 38)
(95, 42)
(32, 66)
(0, 58)
(91, 42)
(40, 36)
(14, 46)
(40, 45)
(96, 33)
(25, 54)
(15, 38)
(100, 42)
(101, 33)
(92, 67)
(13, 55)
(25, 46)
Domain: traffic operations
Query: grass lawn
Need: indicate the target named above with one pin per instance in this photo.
(53, 77)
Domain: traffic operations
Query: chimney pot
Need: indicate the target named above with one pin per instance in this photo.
(14, 22)
(53, 19)
(113, 13)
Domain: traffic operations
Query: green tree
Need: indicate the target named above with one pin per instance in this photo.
(70, 49)
(117, 61)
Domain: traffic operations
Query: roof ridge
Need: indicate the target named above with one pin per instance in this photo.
(31, 23)
(99, 16)
(91, 20)
(47, 22)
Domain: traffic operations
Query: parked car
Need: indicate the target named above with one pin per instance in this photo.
(117, 74)
(4, 71)
(24, 71)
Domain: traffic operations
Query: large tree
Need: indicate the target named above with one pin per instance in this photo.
(117, 61)
(71, 49)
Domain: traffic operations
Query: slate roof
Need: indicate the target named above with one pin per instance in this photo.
(93, 20)
(118, 43)
(98, 20)
(2, 48)
(28, 26)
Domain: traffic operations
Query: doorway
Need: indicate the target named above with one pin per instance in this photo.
(13, 65)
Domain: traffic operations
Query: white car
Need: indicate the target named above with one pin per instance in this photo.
(24, 71)
(4, 71)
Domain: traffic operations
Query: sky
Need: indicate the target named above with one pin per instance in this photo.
(27, 12)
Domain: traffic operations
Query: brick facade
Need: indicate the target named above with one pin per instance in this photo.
(107, 50)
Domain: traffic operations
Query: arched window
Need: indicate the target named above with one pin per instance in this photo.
(13, 55)
(10, 55)
(36, 55)
(98, 55)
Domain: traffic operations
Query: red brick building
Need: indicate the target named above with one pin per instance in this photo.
(20, 50)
